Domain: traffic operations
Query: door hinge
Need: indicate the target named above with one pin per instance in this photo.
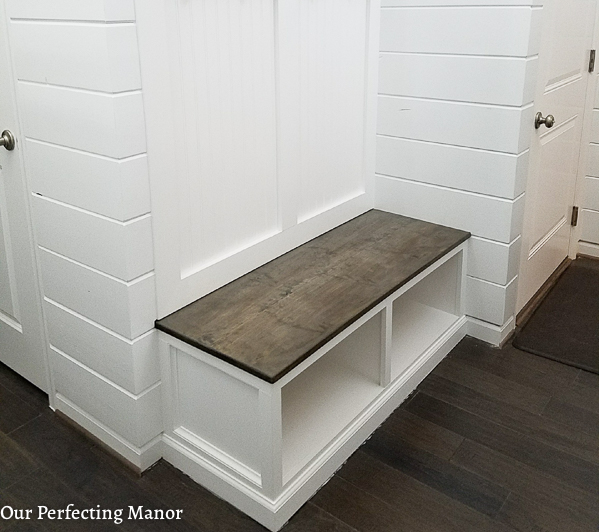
(574, 220)
(592, 61)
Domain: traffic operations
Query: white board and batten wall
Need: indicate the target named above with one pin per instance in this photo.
(454, 123)
(77, 75)
(260, 122)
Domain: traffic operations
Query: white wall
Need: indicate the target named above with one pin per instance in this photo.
(589, 196)
(454, 124)
(82, 115)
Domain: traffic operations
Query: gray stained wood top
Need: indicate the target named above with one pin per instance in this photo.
(273, 318)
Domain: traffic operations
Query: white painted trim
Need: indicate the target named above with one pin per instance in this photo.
(489, 332)
(588, 248)
(141, 457)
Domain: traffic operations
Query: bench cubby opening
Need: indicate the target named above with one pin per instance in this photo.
(424, 313)
(322, 400)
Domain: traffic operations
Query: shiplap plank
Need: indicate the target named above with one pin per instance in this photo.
(591, 193)
(87, 10)
(485, 216)
(96, 57)
(137, 419)
(490, 302)
(497, 80)
(117, 189)
(129, 309)
(492, 261)
(132, 365)
(100, 123)
(459, 124)
(486, 172)
(120, 249)
(590, 226)
(460, 30)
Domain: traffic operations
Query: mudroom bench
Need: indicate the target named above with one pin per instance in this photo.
(272, 381)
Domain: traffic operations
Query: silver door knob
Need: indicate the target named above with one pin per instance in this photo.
(549, 120)
(7, 139)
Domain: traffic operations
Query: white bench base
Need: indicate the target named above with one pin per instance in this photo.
(267, 448)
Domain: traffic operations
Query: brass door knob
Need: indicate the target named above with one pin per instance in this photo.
(549, 120)
(7, 139)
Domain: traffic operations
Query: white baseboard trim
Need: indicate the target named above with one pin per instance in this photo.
(586, 248)
(274, 513)
(141, 458)
(490, 333)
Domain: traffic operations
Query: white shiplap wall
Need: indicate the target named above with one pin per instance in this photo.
(589, 199)
(78, 80)
(454, 115)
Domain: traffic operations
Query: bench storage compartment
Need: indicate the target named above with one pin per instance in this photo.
(265, 434)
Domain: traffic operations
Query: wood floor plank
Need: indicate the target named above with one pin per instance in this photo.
(569, 468)
(525, 515)
(44, 489)
(542, 429)
(422, 507)
(23, 389)
(587, 378)
(527, 481)
(421, 434)
(311, 518)
(580, 395)
(361, 510)
(574, 417)
(459, 484)
(14, 412)
(201, 509)
(15, 463)
(512, 364)
(500, 389)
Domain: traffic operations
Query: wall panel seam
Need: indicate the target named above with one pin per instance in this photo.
(469, 56)
(73, 22)
(133, 396)
(450, 189)
(458, 146)
(122, 223)
(142, 277)
(79, 89)
(103, 328)
(85, 152)
(504, 286)
(460, 102)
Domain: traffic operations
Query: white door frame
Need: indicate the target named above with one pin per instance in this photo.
(583, 160)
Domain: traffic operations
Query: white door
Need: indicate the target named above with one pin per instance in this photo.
(567, 33)
(21, 337)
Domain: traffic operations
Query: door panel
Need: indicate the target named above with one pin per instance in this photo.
(21, 337)
(563, 79)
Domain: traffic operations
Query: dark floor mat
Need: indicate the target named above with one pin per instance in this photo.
(565, 327)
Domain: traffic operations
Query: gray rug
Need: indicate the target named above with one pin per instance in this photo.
(565, 327)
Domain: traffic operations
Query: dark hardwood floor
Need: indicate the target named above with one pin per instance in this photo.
(492, 441)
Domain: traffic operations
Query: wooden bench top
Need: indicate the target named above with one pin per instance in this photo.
(273, 318)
